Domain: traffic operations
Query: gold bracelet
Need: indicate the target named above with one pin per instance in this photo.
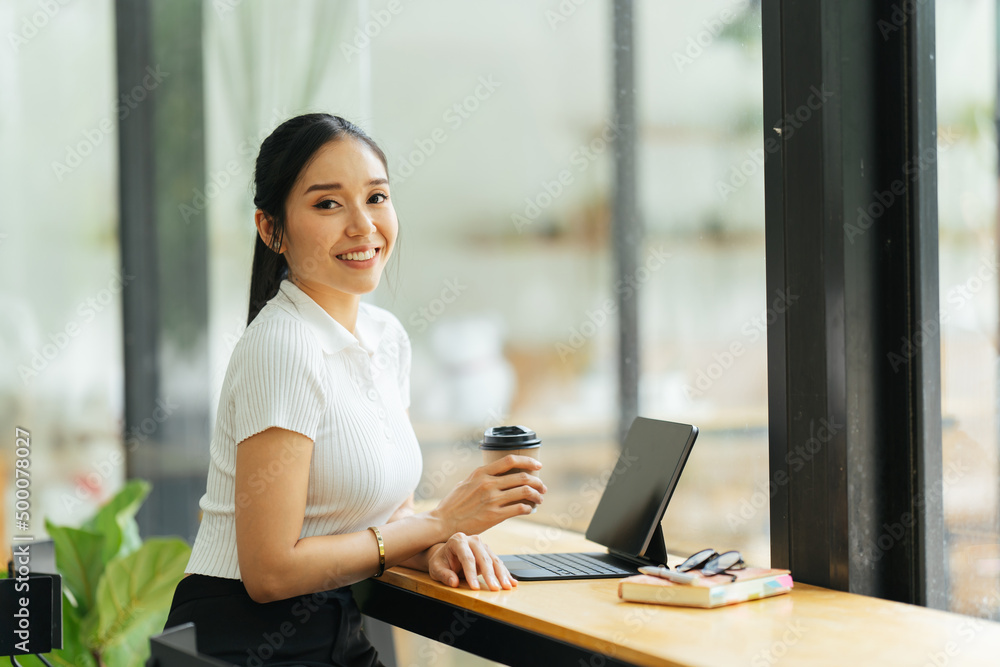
(381, 551)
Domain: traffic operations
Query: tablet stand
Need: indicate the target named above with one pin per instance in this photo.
(657, 549)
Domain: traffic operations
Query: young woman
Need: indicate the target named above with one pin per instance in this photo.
(314, 461)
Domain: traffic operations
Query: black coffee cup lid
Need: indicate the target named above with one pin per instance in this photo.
(510, 437)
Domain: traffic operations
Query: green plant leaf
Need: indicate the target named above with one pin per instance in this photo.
(78, 559)
(133, 599)
(116, 520)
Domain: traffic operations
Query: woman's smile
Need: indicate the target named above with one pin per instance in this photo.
(363, 257)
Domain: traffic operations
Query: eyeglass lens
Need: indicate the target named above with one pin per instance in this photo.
(722, 562)
(696, 560)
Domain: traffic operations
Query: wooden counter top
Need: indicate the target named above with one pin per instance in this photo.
(809, 626)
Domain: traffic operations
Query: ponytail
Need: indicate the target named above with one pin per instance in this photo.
(269, 269)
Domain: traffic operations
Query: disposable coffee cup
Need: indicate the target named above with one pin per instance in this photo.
(501, 441)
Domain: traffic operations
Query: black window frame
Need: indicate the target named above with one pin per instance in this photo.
(851, 231)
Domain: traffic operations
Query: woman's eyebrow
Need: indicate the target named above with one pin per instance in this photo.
(338, 186)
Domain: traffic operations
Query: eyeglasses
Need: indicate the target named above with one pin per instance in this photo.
(712, 563)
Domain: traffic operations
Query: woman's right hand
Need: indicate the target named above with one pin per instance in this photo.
(488, 496)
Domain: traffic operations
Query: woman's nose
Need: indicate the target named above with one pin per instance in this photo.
(361, 223)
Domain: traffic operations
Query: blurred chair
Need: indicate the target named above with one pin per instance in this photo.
(379, 633)
(178, 647)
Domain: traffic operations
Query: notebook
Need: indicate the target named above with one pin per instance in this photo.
(627, 519)
(752, 583)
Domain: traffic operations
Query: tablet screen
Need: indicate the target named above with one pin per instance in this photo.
(640, 485)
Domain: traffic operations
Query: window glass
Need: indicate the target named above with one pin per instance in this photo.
(704, 314)
(967, 66)
(60, 334)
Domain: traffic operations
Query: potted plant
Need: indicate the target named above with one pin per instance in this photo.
(116, 588)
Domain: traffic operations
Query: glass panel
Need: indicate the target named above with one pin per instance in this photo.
(60, 334)
(967, 66)
(703, 315)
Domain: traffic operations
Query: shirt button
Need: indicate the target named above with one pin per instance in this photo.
(372, 394)
(381, 413)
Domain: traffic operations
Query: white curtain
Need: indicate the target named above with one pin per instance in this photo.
(269, 57)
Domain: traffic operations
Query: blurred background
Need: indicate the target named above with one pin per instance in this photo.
(498, 121)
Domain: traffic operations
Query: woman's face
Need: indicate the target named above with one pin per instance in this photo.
(340, 225)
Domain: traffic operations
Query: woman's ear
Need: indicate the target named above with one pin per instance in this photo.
(265, 227)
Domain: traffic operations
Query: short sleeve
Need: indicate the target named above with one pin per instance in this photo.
(277, 380)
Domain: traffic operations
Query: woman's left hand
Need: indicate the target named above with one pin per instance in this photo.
(470, 556)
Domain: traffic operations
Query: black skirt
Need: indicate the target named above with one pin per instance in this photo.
(316, 630)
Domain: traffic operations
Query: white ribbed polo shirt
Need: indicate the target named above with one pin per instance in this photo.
(297, 368)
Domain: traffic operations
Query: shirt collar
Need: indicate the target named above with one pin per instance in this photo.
(331, 334)
(369, 329)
